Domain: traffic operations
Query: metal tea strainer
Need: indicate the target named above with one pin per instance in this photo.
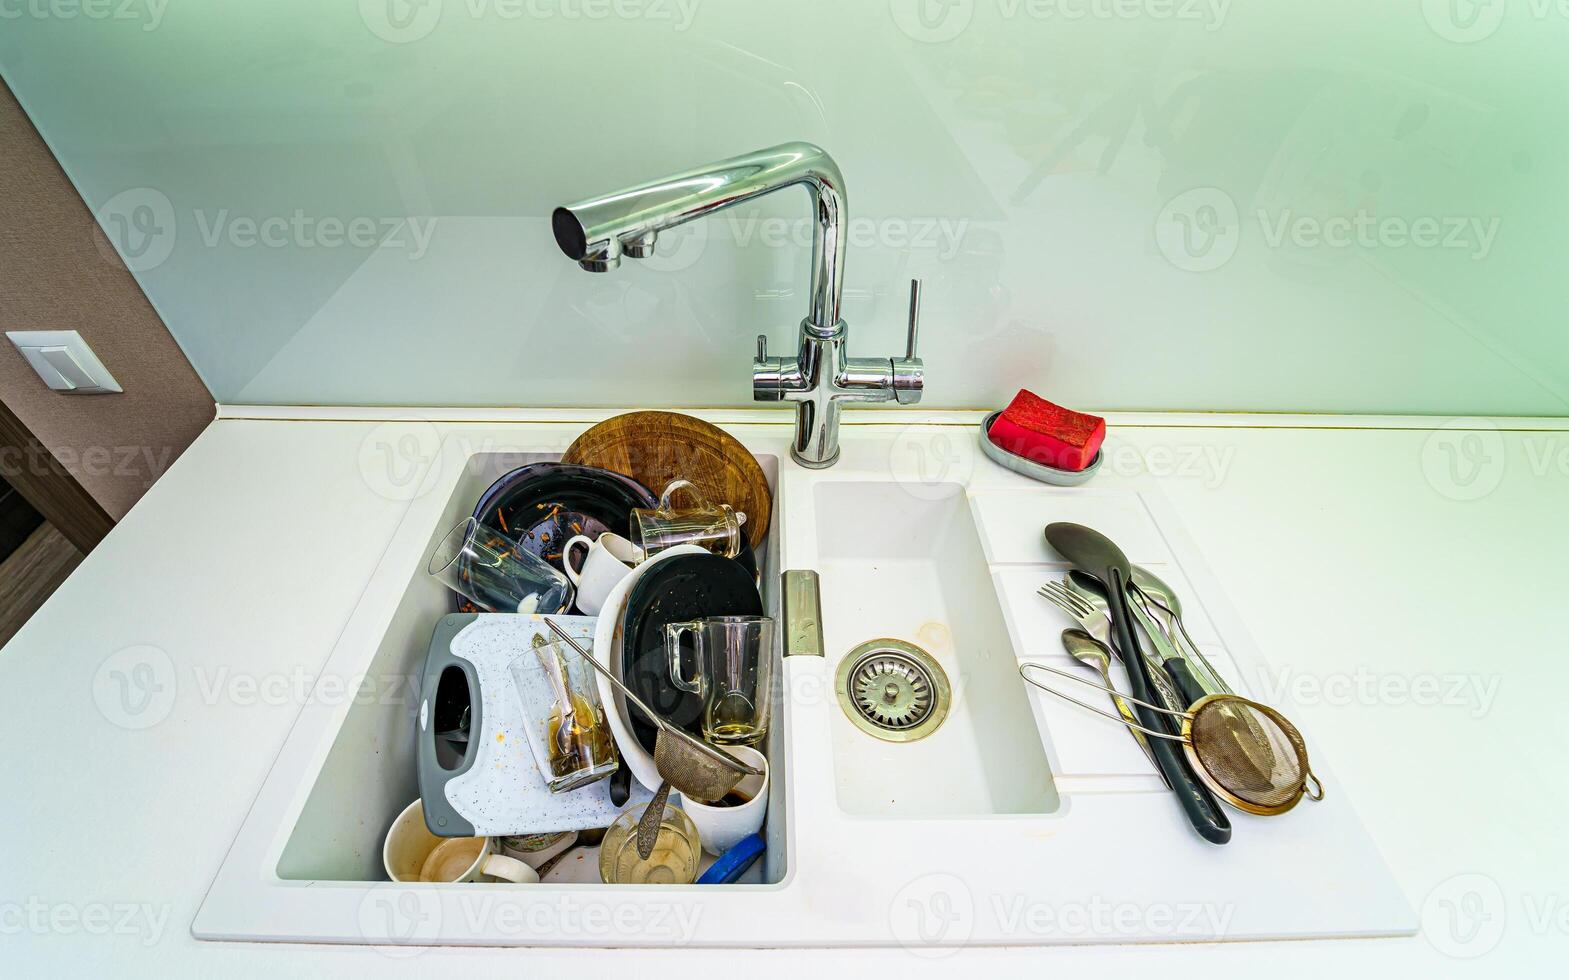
(1224, 737)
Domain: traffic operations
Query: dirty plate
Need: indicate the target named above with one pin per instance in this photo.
(684, 588)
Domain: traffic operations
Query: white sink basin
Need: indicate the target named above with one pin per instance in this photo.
(910, 567)
(369, 773)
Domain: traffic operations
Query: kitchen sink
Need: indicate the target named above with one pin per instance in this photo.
(909, 566)
(914, 818)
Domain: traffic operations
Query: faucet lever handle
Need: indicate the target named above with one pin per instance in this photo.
(915, 319)
(762, 347)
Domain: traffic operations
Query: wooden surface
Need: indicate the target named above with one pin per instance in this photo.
(43, 482)
(31, 574)
(656, 448)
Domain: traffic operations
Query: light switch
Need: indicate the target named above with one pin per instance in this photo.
(65, 362)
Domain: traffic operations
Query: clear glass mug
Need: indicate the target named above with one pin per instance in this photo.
(716, 527)
(734, 656)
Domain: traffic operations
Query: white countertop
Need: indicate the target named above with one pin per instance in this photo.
(1405, 622)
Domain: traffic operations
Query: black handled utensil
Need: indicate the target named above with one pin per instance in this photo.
(1097, 555)
(621, 785)
(1187, 684)
(1184, 683)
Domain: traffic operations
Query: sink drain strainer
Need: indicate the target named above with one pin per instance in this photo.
(893, 690)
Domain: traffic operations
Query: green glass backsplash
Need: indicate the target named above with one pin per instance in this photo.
(1338, 206)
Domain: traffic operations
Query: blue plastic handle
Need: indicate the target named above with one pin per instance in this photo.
(734, 862)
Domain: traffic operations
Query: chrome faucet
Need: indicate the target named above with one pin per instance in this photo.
(596, 233)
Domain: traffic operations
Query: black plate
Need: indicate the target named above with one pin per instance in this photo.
(675, 590)
(541, 505)
(748, 558)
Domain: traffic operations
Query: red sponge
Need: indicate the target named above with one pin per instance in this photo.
(1041, 432)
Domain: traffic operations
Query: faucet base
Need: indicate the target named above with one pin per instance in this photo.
(813, 464)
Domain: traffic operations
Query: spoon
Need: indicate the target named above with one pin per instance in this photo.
(1093, 552)
(1158, 592)
(648, 824)
(1094, 654)
(566, 729)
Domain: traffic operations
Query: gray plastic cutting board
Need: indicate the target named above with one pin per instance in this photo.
(497, 789)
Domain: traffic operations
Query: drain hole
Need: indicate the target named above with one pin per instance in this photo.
(893, 690)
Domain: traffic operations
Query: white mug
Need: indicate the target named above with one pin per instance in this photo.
(723, 827)
(412, 853)
(609, 560)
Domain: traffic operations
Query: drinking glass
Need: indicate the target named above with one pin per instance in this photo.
(567, 730)
(716, 527)
(674, 860)
(734, 656)
(480, 562)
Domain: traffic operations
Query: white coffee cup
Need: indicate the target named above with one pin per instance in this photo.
(412, 853)
(608, 561)
(723, 827)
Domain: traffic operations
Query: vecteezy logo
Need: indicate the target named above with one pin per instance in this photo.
(1465, 459)
(1464, 916)
(933, 915)
(135, 687)
(400, 21)
(138, 227)
(928, 461)
(398, 460)
(932, 21)
(399, 920)
(1198, 230)
(1463, 21)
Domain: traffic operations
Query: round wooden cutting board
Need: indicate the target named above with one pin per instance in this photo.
(656, 448)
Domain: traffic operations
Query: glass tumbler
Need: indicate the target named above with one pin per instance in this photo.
(677, 853)
(716, 527)
(480, 562)
(734, 656)
(567, 730)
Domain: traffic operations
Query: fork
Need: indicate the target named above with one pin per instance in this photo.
(1089, 619)
(1094, 620)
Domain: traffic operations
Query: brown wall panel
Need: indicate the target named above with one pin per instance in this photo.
(57, 273)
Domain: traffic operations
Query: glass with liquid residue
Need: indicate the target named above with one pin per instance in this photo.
(567, 730)
(673, 861)
(734, 659)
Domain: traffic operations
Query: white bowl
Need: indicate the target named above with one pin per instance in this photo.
(607, 650)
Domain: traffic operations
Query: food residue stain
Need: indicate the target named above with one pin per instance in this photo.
(932, 634)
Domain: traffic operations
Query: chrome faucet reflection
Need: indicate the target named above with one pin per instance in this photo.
(597, 233)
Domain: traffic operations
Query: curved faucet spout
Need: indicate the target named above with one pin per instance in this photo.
(821, 377)
(596, 233)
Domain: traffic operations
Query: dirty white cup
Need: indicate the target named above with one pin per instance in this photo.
(723, 827)
(412, 853)
(607, 561)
